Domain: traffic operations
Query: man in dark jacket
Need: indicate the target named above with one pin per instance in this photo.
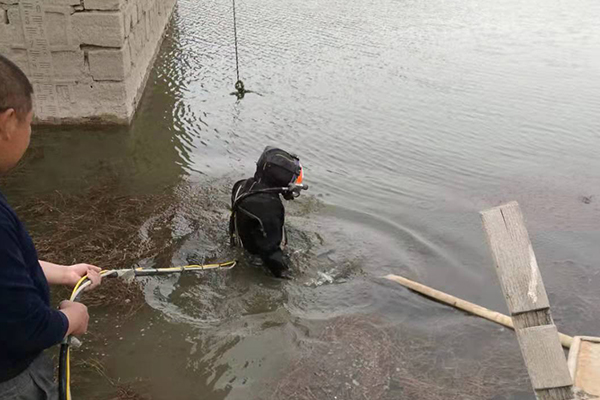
(258, 216)
(28, 324)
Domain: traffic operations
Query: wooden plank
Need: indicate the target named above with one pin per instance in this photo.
(563, 393)
(532, 318)
(584, 364)
(573, 354)
(544, 357)
(528, 303)
(515, 260)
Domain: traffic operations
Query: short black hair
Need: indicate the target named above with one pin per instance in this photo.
(15, 89)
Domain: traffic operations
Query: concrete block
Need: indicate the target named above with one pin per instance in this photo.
(109, 64)
(99, 57)
(148, 30)
(130, 17)
(146, 55)
(156, 14)
(134, 81)
(69, 65)
(5, 28)
(15, 26)
(136, 8)
(145, 5)
(106, 5)
(137, 41)
(19, 57)
(58, 27)
(140, 9)
(95, 28)
(64, 97)
(100, 102)
(62, 2)
(131, 43)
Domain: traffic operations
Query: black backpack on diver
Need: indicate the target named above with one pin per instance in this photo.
(257, 212)
(278, 168)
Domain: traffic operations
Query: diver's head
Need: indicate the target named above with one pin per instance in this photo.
(278, 168)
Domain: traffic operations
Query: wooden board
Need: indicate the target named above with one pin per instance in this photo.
(527, 301)
(514, 258)
(584, 364)
(544, 357)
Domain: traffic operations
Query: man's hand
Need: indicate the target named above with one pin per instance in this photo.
(78, 317)
(71, 274)
(75, 272)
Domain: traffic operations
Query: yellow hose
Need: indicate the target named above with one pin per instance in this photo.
(107, 272)
(72, 298)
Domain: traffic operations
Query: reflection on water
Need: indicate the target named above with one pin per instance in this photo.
(410, 117)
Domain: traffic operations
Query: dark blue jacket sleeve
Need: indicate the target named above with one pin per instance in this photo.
(28, 324)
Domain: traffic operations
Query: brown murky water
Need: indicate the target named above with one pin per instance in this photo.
(410, 117)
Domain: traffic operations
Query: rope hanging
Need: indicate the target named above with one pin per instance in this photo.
(239, 85)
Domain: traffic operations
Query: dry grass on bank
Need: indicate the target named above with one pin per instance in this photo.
(126, 393)
(102, 226)
(122, 391)
(99, 226)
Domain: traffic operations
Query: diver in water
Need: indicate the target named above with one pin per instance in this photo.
(257, 212)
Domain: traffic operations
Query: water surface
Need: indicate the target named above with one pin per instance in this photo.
(410, 117)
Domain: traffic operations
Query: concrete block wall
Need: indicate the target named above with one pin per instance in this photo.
(88, 60)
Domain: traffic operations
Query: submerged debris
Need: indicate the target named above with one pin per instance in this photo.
(120, 390)
(586, 199)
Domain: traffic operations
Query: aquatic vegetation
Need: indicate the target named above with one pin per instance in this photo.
(363, 357)
(102, 226)
(99, 226)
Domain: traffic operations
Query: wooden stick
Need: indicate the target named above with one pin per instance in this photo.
(465, 305)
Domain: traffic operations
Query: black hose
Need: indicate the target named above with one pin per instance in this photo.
(237, 63)
(62, 372)
(279, 190)
(255, 192)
